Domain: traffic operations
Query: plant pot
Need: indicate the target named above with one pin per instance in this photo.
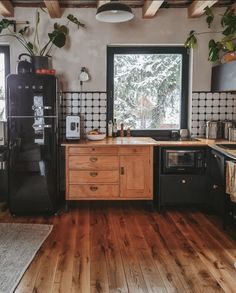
(40, 62)
(228, 57)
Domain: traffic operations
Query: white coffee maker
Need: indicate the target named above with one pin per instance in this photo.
(73, 127)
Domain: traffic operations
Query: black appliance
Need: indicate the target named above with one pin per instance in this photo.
(185, 161)
(180, 175)
(32, 116)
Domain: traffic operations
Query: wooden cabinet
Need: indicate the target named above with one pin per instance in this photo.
(117, 172)
(135, 176)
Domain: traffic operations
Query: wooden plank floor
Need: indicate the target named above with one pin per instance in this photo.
(112, 247)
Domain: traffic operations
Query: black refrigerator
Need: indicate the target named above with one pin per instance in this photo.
(32, 116)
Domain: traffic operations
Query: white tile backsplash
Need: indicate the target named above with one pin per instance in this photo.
(211, 106)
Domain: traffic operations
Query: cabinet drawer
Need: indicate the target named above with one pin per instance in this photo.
(93, 191)
(93, 150)
(93, 162)
(76, 177)
(134, 150)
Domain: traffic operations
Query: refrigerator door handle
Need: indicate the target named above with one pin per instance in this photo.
(41, 108)
(41, 126)
(47, 126)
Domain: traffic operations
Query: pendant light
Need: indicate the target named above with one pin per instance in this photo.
(114, 12)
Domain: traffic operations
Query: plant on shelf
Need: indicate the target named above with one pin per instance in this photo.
(57, 37)
(223, 47)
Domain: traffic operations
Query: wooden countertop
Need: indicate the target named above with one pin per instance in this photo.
(143, 141)
(113, 141)
(148, 141)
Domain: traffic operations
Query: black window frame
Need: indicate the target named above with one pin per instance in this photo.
(113, 50)
(5, 49)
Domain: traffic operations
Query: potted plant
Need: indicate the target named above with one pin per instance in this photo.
(221, 50)
(39, 52)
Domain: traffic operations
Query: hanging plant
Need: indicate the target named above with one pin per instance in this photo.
(225, 44)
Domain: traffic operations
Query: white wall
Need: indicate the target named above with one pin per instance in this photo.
(87, 47)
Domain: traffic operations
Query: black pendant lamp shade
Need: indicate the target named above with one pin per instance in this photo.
(114, 12)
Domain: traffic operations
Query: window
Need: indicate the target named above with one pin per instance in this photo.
(4, 71)
(148, 88)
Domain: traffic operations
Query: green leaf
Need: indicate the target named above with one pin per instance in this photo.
(191, 41)
(209, 15)
(214, 50)
(75, 20)
(5, 23)
(229, 45)
(58, 39)
(30, 45)
(23, 30)
(63, 29)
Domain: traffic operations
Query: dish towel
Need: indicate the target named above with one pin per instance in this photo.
(231, 180)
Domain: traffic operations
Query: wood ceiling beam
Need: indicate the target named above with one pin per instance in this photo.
(101, 2)
(196, 9)
(150, 8)
(53, 8)
(6, 8)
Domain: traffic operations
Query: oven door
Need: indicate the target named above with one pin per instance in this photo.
(180, 161)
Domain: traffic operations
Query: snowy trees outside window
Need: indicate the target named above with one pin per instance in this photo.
(147, 90)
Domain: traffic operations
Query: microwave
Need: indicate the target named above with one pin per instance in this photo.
(185, 161)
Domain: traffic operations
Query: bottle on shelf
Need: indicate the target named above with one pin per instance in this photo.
(128, 132)
(122, 133)
(110, 128)
(114, 130)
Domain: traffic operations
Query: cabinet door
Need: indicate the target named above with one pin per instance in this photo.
(136, 176)
(182, 189)
(217, 168)
(216, 197)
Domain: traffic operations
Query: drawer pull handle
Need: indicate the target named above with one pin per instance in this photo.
(183, 181)
(93, 159)
(93, 188)
(93, 174)
(122, 170)
(215, 186)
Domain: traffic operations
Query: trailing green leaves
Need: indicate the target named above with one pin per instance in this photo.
(226, 43)
(209, 15)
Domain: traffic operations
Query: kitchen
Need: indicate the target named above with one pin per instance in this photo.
(148, 210)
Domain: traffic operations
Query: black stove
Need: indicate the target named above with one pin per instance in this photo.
(167, 138)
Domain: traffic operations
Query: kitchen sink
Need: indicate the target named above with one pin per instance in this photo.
(228, 146)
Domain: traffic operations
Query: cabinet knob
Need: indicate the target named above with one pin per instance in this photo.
(93, 174)
(93, 159)
(93, 188)
(183, 181)
(215, 186)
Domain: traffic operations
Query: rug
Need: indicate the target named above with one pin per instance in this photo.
(18, 245)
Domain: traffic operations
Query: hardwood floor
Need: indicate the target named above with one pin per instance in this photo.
(112, 247)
